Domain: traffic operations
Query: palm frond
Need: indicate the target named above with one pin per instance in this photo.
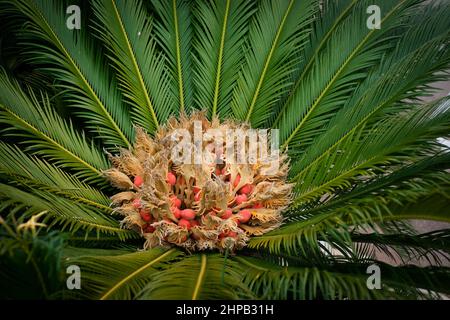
(345, 280)
(128, 32)
(60, 212)
(341, 64)
(116, 275)
(48, 134)
(277, 33)
(197, 277)
(82, 73)
(31, 172)
(431, 246)
(401, 138)
(221, 28)
(174, 32)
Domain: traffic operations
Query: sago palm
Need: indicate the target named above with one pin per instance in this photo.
(87, 181)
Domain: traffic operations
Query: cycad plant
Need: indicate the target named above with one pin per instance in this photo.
(87, 184)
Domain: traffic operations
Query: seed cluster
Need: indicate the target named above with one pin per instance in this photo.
(215, 205)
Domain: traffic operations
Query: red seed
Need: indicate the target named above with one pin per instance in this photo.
(196, 189)
(171, 178)
(244, 216)
(175, 201)
(148, 229)
(228, 233)
(240, 199)
(227, 214)
(137, 203)
(194, 223)
(218, 172)
(176, 212)
(197, 196)
(138, 181)
(237, 180)
(188, 214)
(145, 215)
(232, 234)
(184, 223)
(246, 189)
(258, 205)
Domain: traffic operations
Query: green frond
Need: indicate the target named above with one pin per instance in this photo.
(46, 132)
(399, 139)
(413, 198)
(340, 281)
(174, 32)
(31, 172)
(32, 269)
(60, 212)
(221, 29)
(433, 247)
(276, 34)
(341, 64)
(387, 91)
(127, 30)
(118, 276)
(204, 276)
(367, 155)
(82, 73)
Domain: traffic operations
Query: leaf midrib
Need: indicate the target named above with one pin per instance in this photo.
(135, 65)
(134, 273)
(178, 55)
(86, 83)
(52, 141)
(335, 77)
(268, 60)
(200, 278)
(313, 58)
(219, 62)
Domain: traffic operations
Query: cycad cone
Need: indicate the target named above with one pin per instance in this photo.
(196, 206)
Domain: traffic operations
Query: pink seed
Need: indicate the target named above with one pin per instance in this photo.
(184, 223)
(145, 215)
(246, 189)
(175, 201)
(137, 203)
(237, 180)
(176, 212)
(194, 223)
(148, 229)
(240, 199)
(244, 216)
(227, 214)
(171, 178)
(188, 214)
(258, 205)
(138, 181)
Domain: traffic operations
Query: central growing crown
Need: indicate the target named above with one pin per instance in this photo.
(201, 184)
